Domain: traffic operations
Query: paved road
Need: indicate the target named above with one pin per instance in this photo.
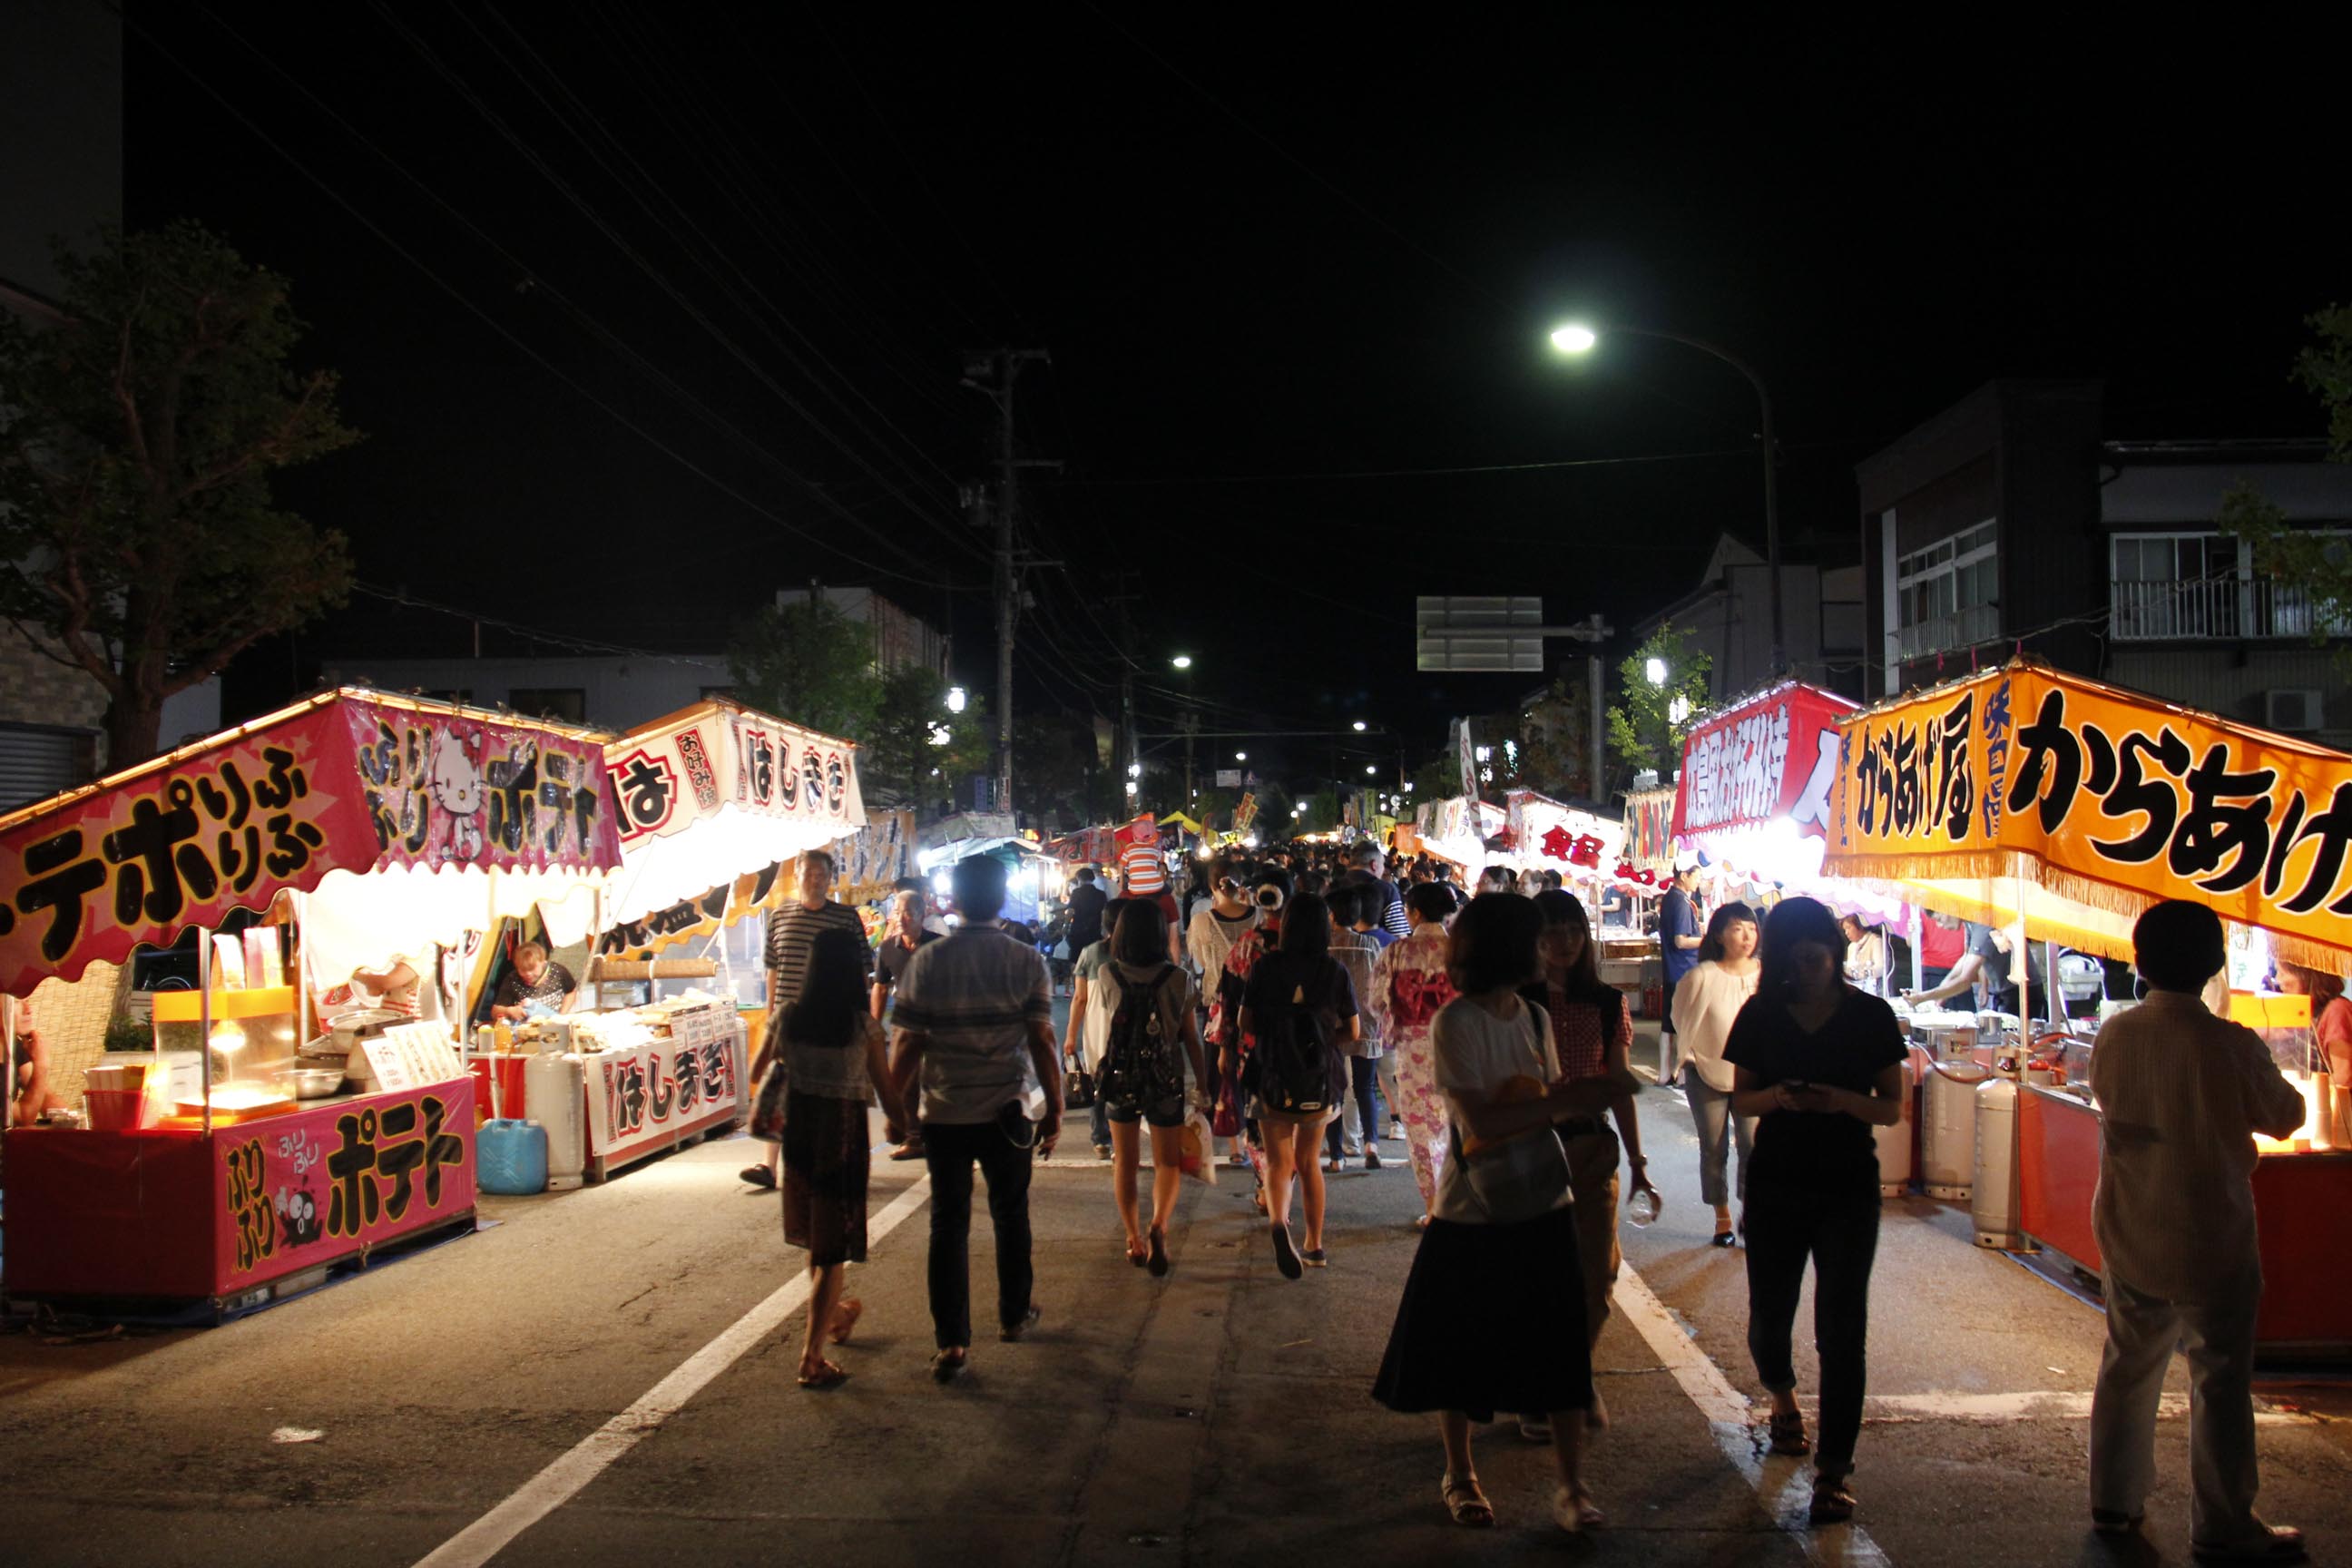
(1220, 1417)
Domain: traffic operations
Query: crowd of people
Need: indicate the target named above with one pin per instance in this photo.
(1290, 995)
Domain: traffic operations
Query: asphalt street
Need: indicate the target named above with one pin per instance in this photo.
(607, 1376)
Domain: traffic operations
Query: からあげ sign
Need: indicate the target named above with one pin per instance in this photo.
(2122, 800)
(346, 781)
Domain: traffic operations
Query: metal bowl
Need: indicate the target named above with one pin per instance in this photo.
(317, 1083)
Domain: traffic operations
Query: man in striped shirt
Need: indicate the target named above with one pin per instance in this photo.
(2181, 1094)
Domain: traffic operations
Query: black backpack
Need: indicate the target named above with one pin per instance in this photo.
(1292, 1065)
(1139, 1061)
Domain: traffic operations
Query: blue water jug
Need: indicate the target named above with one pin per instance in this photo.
(513, 1156)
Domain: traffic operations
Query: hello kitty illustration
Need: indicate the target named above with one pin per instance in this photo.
(456, 784)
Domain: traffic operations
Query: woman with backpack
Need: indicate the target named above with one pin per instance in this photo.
(1297, 1016)
(1141, 1075)
(1492, 1313)
(832, 1052)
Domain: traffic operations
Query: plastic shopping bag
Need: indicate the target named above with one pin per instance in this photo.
(1200, 1158)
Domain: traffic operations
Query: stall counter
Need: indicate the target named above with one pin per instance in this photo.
(232, 1217)
(2303, 1205)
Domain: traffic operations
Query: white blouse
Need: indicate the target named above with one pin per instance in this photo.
(1706, 1002)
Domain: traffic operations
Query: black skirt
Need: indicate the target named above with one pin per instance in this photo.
(1492, 1319)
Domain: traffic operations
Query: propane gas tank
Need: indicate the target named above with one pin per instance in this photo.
(1947, 1143)
(1894, 1143)
(1995, 1206)
(554, 1097)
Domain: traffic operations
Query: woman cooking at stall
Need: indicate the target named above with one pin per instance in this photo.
(533, 980)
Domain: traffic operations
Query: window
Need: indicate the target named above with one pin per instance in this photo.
(2163, 586)
(1947, 596)
(566, 704)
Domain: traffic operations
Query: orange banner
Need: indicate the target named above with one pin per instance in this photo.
(2101, 796)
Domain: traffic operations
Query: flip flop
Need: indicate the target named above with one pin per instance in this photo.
(1157, 1259)
(1466, 1503)
(826, 1376)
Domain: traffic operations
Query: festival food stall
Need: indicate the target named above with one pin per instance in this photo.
(389, 825)
(2060, 808)
(716, 802)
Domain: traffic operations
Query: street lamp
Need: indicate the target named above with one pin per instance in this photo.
(1241, 756)
(1656, 670)
(1360, 726)
(1182, 661)
(955, 698)
(1574, 338)
(1371, 767)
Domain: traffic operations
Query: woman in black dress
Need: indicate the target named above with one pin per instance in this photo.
(1822, 1063)
(832, 1052)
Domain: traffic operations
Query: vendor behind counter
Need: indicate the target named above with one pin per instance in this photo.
(534, 983)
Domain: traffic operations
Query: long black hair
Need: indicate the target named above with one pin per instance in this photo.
(1794, 922)
(1306, 927)
(832, 996)
(1710, 950)
(1140, 937)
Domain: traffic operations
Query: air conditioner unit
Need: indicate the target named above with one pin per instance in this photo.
(2292, 710)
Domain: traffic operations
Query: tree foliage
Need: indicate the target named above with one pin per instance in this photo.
(139, 542)
(2316, 564)
(1643, 733)
(913, 733)
(806, 661)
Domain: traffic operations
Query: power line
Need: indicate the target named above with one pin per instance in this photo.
(534, 355)
(553, 640)
(1157, 479)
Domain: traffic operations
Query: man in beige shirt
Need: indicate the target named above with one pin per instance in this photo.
(2181, 1094)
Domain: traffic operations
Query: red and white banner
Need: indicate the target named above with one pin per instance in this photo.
(676, 771)
(1771, 757)
(659, 1092)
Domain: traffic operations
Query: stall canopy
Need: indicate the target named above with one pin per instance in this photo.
(2024, 791)
(1552, 836)
(449, 814)
(1757, 777)
(716, 790)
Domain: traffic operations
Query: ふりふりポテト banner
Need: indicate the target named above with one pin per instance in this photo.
(2116, 800)
(348, 781)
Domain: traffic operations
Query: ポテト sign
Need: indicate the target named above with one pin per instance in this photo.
(1768, 758)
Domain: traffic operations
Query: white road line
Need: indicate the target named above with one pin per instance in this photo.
(1781, 1484)
(563, 1480)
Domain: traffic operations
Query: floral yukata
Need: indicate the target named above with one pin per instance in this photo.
(1409, 985)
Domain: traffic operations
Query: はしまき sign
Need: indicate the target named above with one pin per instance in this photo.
(668, 774)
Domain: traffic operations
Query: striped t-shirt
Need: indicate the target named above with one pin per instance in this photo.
(1146, 874)
(791, 934)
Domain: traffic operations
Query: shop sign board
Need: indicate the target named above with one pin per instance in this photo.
(1545, 832)
(2122, 799)
(1771, 757)
(351, 781)
(1649, 829)
(668, 775)
(658, 1090)
(312, 1186)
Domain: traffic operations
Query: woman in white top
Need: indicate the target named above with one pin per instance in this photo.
(1492, 1313)
(1708, 998)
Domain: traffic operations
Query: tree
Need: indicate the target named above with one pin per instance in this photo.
(807, 662)
(137, 440)
(1650, 722)
(1555, 736)
(913, 731)
(2317, 565)
(1054, 758)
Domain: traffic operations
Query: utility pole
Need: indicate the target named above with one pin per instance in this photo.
(1192, 728)
(1123, 599)
(1002, 367)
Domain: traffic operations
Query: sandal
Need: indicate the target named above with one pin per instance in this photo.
(845, 1317)
(1138, 1254)
(1465, 1502)
(1832, 1503)
(1788, 1434)
(1286, 1253)
(1576, 1511)
(1157, 1259)
(824, 1375)
(949, 1364)
(1314, 1257)
(1724, 1235)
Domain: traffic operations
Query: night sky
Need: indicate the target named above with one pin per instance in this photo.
(686, 291)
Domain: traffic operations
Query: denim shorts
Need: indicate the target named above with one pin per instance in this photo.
(1167, 1113)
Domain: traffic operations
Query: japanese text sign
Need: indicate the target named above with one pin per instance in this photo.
(2101, 787)
(314, 1185)
(668, 775)
(346, 783)
(643, 1096)
(1772, 757)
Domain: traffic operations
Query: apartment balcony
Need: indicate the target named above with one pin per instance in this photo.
(2227, 608)
(1961, 629)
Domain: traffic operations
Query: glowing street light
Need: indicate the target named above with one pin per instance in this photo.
(1655, 669)
(1241, 756)
(1182, 661)
(1360, 726)
(955, 698)
(1573, 339)
(1371, 767)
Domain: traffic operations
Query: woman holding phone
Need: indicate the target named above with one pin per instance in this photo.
(1821, 1064)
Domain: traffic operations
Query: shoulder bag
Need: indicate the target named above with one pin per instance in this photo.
(1524, 1177)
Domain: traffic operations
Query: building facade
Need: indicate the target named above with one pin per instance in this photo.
(1729, 617)
(2008, 520)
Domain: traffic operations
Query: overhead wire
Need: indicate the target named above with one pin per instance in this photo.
(596, 219)
(665, 447)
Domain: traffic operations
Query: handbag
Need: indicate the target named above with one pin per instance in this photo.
(1522, 1178)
